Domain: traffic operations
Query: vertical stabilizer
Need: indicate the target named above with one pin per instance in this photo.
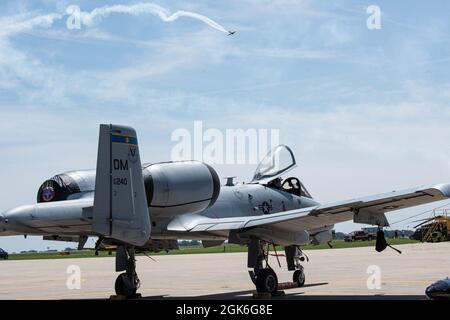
(120, 204)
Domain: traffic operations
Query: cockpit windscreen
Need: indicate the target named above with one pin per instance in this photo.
(279, 160)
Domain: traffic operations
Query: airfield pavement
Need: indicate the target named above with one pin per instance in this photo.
(330, 274)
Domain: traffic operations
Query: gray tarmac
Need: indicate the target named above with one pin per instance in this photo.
(330, 274)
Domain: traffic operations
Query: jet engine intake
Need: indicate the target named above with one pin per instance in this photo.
(66, 186)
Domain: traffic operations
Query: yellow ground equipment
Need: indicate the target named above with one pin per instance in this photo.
(437, 227)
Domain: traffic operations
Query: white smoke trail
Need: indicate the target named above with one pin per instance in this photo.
(45, 21)
(89, 18)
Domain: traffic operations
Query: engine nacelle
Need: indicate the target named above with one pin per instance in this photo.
(175, 188)
(66, 186)
(172, 188)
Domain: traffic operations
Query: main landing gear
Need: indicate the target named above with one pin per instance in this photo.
(263, 276)
(128, 282)
(293, 258)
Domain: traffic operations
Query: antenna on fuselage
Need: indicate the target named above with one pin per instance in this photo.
(230, 181)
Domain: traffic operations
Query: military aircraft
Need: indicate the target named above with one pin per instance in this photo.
(143, 208)
(231, 33)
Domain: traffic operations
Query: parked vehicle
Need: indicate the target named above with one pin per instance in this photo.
(437, 236)
(417, 235)
(3, 254)
(440, 290)
(434, 229)
(359, 235)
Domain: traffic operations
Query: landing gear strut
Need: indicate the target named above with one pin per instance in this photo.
(263, 276)
(293, 258)
(128, 282)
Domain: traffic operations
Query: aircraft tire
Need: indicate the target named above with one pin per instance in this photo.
(123, 286)
(267, 281)
(299, 277)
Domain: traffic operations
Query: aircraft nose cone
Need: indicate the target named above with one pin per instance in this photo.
(19, 212)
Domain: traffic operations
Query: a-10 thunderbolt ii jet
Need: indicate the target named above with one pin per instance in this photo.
(143, 208)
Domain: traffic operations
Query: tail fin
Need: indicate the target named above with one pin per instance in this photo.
(120, 204)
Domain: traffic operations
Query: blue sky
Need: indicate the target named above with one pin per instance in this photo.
(365, 111)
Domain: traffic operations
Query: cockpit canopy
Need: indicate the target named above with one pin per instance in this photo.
(277, 162)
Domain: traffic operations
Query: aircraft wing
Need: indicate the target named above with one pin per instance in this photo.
(368, 210)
